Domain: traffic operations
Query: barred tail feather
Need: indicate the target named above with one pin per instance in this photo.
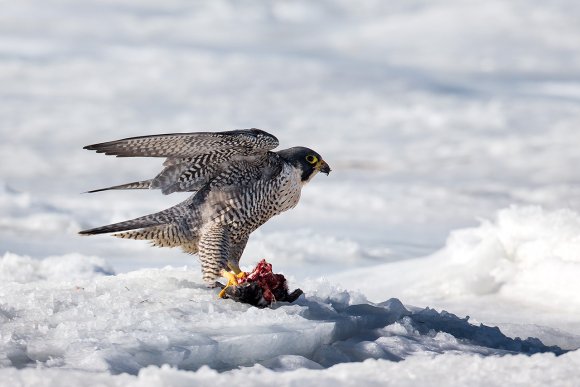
(175, 226)
(145, 184)
(167, 235)
(143, 222)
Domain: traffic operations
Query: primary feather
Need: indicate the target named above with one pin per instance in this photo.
(193, 159)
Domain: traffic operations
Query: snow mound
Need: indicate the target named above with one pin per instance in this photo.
(23, 269)
(124, 323)
(526, 254)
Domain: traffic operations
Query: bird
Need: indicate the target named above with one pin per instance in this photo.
(237, 182)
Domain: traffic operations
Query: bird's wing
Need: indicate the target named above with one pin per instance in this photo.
(185, 145)
(219, 170)
(195, 159)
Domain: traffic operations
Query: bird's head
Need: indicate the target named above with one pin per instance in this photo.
(307, 161)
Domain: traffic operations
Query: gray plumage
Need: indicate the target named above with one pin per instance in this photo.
(238, 184)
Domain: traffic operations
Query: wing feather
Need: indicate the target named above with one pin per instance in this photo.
(183, 145)
(195, 159)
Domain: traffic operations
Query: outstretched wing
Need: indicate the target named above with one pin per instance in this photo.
(193, 159)
(185, 145)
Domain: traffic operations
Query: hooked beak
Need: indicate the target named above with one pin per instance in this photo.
(322, 167)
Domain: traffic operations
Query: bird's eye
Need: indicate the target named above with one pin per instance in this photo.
(311, 159)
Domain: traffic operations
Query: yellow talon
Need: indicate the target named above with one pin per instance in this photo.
(232, 280)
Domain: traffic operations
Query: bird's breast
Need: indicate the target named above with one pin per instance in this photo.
(258, 202)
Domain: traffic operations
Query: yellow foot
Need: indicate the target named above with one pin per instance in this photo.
(232, 280)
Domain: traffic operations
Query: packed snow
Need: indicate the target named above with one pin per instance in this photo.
(453, 206)
(102, 323)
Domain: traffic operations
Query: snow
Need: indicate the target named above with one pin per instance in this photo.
(96, 322)
(23, 269)
(452, 131)
(526, 259)
(475, 370)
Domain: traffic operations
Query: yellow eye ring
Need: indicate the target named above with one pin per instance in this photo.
(312, 159)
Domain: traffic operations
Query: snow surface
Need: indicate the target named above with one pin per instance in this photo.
(452, 131)
(527, 260)
(115, 324)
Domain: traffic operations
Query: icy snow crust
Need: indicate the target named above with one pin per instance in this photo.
(120, 324)
(432, 114)
(468, 370)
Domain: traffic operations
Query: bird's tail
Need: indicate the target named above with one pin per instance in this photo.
(169, 228)
(146, 221)
(144, 184)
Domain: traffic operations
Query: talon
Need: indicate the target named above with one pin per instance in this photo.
(232, 280)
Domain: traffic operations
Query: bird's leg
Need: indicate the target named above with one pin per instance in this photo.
(234, 267)
(233, 257)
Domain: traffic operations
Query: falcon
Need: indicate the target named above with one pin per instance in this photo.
(238, 184)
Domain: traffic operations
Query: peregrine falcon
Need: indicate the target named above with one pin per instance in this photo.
(238, 184)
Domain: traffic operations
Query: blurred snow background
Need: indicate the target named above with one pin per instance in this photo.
(433, 115)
